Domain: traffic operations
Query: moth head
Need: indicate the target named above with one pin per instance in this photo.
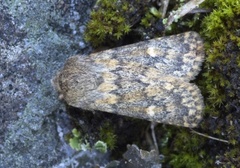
(75, 81)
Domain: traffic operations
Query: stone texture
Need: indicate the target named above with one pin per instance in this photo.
(36, 37)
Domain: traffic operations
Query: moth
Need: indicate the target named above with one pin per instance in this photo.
(149, 80)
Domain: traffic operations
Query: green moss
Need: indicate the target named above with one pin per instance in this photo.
(230, 159)
(151, 17)
(220, 85)
(222, 42)
(81, 144)
(155, 12)
(185, 160)
(100, 146)
(186, 149)
(108, 136)
(107, 22)
(147, 20)
(76, 142)
(220, 80)
(220, 22)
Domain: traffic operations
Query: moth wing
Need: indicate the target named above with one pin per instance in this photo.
(169, 101)
(178, 55)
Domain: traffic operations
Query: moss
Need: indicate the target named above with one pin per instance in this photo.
(185, 160)
(78, 143)
(107, 22)
(230, 159)
(220, 85)
(220, 80)
(147, 20)
(100, 146)
(185, 149)
(221, 71)
(151, 17)
(107, 135)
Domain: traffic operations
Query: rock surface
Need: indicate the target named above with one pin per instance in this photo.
(36, 37)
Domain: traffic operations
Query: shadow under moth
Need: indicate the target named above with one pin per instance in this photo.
(147, 80)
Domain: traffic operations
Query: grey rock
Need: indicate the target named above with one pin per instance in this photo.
(135, 157)
(36, 37)
(84, 159)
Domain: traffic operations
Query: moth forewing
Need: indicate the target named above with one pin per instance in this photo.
(178, 55)
(169, 101)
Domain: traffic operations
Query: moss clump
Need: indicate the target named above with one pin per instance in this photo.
(100, 146)
(151, 17)
(77, 143)
(220, 85)
(107, 22)
(108, 136)
(184, 149)
(221, 71)
(80, 144)
(185, 160)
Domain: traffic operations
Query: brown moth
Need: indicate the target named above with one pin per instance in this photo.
(147, 80)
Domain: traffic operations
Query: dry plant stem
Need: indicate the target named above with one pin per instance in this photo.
(164, 7)
(153, 124)
(148, 137)
(210, 137)
(183, 10)
(198, 10)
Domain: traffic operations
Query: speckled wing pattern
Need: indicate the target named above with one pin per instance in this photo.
(147, 80)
